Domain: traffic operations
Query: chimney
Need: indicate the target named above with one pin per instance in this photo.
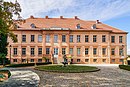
(61, 17)
(46, 17)
(75, 17)
(31, 17)
(97, 21)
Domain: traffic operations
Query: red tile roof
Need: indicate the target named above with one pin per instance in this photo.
(65, 23)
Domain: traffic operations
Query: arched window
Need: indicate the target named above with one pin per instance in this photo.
(33, 25)
(17, 26)
(78, 26)
(94, 26)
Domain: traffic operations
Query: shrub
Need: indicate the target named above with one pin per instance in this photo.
(27, 64)
(125, 67)
(4, 71)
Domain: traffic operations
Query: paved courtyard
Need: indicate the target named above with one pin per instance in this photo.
(108, 76)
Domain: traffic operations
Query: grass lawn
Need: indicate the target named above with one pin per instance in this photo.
(67, 69)
(125, 67)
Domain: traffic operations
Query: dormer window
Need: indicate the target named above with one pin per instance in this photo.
(78, 26)
(33, 25)
(17, 26)
(94, 26)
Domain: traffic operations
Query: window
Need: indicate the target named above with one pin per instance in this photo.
(32, 38)
(63, 38)
(121, 60)
(94, 38)
(23, 51)
(16, 37)
(78, 51)
(113, 51)
(121, 52)
(47, 38)
(112, 39)
(63, 51)
(23, 38)
(104, 60)
(120, 39)
(33, 25)
(103, 51)
(39, 51)
(71, 38)
(39, 38)
(14, 60)
(55, 38)
(47, 50)
(47, 60)
(113, 60)
(78, 38)
(72, 60)
(86, 38)
(32, 52)
(78, 26)
(103, 38)
(78, 60)
(94, 51)
(94, 26)
(40, 60)
(86, 51)
(24, 60)
(71, 51)
(55, 51)
(15, 51)
(86, 60)
(32, 60)
(94, 60)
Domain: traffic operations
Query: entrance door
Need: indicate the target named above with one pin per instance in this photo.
(55, 55)
(128, 62)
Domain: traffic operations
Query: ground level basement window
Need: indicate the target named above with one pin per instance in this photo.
(94, 60)
(14, 60)
(104, 60)
(113, 60)
(78, 60)
(86, 60)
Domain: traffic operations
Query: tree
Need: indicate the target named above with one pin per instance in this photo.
(7, 10)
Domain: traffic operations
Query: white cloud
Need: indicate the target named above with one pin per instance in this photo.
(85, 9)
(128, 51)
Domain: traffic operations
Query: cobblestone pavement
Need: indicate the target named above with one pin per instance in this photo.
(21, 78)
(108, 76)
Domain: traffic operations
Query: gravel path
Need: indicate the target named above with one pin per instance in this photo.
(106, 77)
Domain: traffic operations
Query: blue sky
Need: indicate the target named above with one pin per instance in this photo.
(112, 12)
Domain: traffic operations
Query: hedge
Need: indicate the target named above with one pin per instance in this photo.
(27, 64)
(125, 67)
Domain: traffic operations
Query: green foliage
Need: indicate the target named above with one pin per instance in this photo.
(6, 71)
(27, 64)
(2, 76)
(125, 67)
(67, 69)
(7, 10)
(45, 58)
